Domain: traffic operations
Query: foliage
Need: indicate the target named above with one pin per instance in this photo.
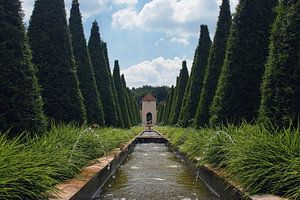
(20, 100)
(214, 66)
(49, 39)
(182, 82)
(238, 93)
(281, 84)
(160, 93)
(85, 72)
(167, 111)
(29, 170)
(102, 76)
(188, 110)
(121, 95)
(258, 160)
(118, 109)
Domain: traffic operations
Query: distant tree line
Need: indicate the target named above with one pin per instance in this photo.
(249, 73)
(160, 92)
(50, 73)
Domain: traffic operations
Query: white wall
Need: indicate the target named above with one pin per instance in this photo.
(149, 106)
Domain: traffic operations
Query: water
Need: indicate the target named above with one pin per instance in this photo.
(152, 172)
(150, 134)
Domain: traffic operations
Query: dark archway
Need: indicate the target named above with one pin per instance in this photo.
(149, 118)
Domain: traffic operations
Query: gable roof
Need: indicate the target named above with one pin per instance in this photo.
(148, 97)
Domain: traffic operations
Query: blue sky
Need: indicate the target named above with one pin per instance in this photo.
(150, 38)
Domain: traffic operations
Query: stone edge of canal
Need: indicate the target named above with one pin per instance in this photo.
(95, 176)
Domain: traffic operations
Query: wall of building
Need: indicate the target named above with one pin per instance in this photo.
(149, 106)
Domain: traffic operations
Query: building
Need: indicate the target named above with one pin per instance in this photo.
(149, 112)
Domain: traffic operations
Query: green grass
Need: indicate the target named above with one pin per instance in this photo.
(259, 160)
(31, 167)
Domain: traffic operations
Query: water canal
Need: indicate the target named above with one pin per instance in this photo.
(153, 172)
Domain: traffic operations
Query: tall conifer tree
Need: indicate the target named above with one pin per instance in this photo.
(196, 79)
(49, 39)
(183, 79)
(20, 99)
(117, 105)
(121, 95)
(281, 85)
(132, 106)
(174, 100)
(85, 72)
(128, 102)
(102, 76)
(168, 105)
(238, 95)
(215, 63)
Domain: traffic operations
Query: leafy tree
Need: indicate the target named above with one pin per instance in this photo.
(160, 92)
(102, 76)
(188, 110)
(85, 72)
(49, 39)
(20, 100)
(281, 84)
(215, 63)
(238, 94)
(121, 95)
(183, 79)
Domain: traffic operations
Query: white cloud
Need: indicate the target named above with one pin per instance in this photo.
(179, 40)
(175, 18)
(161, 40)
(126, 19)
(88, 8)
(128, 2)
(157, 72)
(27, 6)
(233, 4)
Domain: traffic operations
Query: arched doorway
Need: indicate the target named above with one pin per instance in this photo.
(149, 118)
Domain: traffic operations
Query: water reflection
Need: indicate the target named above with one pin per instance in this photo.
(152, 172)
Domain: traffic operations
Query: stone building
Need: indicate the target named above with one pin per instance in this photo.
(149, 112)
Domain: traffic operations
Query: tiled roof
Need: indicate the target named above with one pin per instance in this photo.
(148, 97)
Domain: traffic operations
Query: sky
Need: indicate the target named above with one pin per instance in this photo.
(150, 38)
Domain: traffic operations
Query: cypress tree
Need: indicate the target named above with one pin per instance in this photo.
(136, 109)
(159, 113)
(281, 84)
(102, 76)
(196, 78)
(121, 95)
(215, 63)
(85, 72)
(49, 38)
(138, 112)
(183, 79)
(161, 119)
(174, 100)
(238, 94)
(20, 99)
(117, 105)
(169, 105)
(185, 98)
(133, 108)
(127, 100)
